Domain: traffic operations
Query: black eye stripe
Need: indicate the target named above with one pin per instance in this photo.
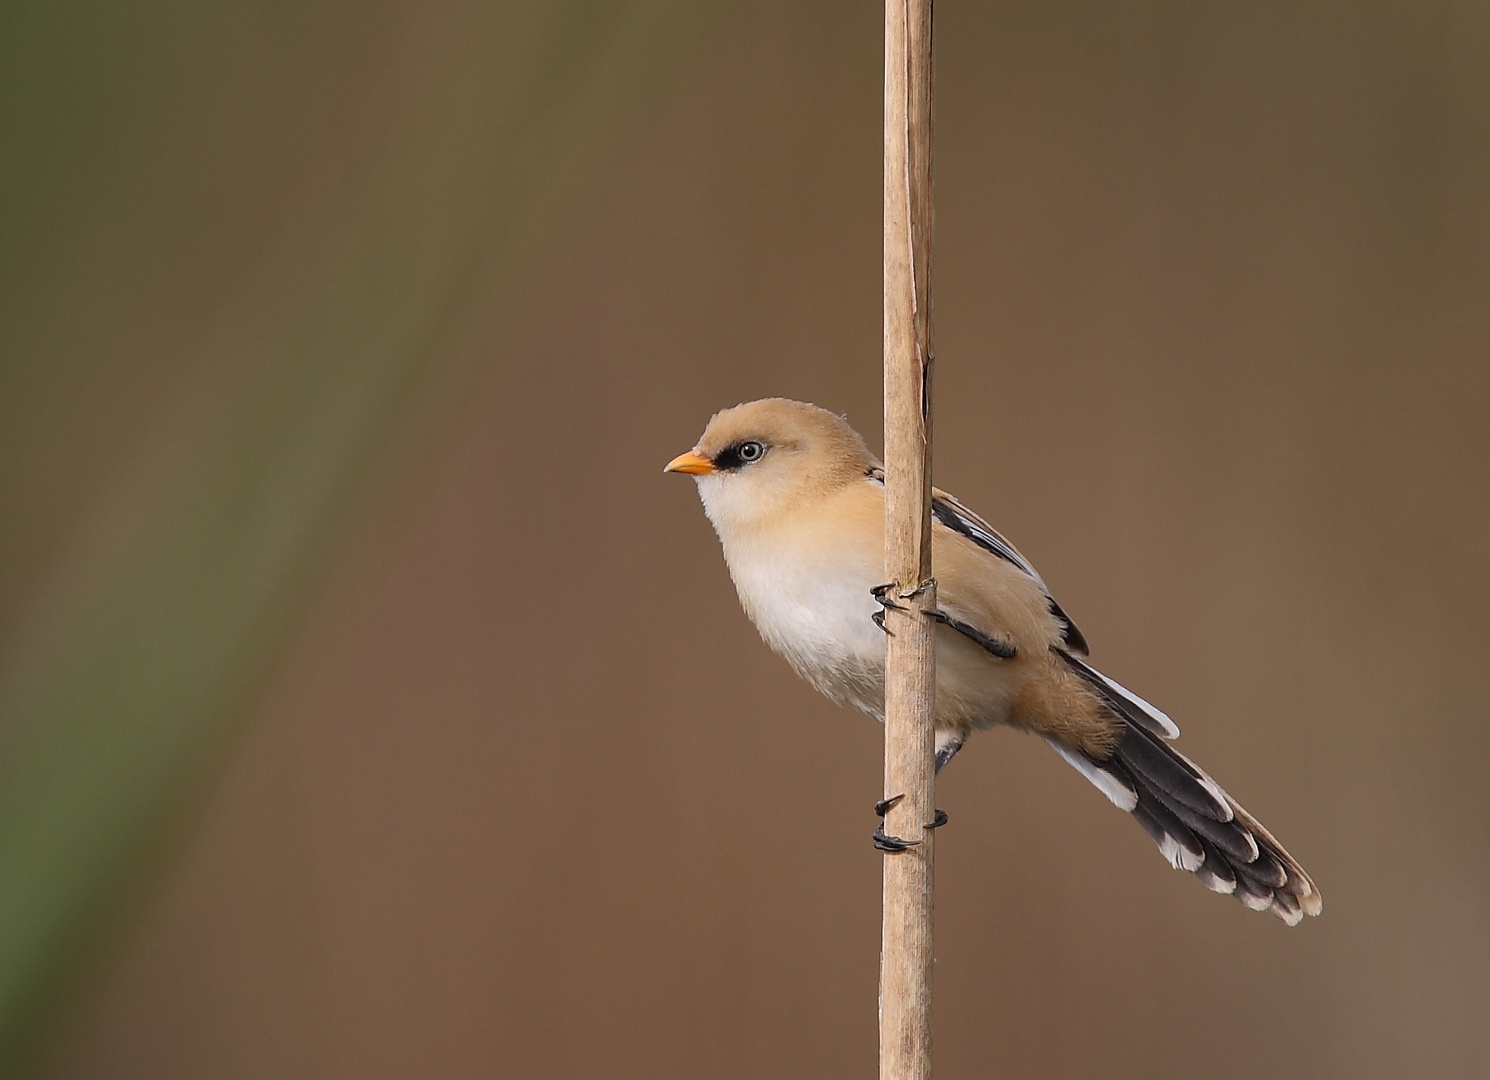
(738, 455)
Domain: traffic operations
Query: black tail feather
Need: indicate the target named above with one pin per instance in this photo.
(1226, 835)
(1154, 761)
(1266, 870)
(1216, 873)
(1183, 849)
(1197, 826)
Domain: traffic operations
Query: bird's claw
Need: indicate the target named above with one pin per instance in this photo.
(895, 843)
(881, 595)
(891, 843)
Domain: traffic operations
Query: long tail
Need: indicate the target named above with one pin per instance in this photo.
(1198, 826)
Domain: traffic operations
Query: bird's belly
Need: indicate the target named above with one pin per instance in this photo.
(820, 618)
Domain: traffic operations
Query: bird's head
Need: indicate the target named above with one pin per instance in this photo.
(764, 458)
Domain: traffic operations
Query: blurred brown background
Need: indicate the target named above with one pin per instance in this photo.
(374, 707)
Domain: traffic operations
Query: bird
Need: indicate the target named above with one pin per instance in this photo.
(798, 503)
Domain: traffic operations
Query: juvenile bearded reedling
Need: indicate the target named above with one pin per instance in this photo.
(798, 502)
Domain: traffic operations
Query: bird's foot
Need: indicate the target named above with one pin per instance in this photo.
(894, 843)
(881, 841)
(881, 593)
(891, 843)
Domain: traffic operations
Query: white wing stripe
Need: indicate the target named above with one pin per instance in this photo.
(1122, 796)
(1171, 729)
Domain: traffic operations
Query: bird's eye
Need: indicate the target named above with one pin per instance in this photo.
(751, 451)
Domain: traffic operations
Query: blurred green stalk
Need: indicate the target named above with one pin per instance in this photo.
(169, 613)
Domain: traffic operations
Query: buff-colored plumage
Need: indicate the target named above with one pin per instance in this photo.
(797, 500)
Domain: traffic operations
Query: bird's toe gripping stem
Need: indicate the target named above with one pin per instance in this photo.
(881, 594)
(892, 844)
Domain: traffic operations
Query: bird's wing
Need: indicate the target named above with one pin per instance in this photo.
(958, 518)
(946, 510)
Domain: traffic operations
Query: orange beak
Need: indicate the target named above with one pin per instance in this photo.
(690, 463)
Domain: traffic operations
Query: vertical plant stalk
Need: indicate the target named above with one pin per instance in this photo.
(910, 674)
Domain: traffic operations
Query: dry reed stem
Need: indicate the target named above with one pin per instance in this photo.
(906, 954)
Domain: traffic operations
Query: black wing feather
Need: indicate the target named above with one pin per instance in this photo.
(951, 514)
